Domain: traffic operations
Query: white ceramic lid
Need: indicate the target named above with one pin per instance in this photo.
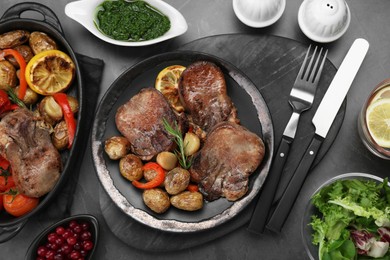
(258, 13)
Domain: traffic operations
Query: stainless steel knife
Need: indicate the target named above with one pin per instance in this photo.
(322, 121)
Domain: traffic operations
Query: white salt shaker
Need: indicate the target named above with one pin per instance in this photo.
(324, 20)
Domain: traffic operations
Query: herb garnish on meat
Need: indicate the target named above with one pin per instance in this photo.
(184, 161)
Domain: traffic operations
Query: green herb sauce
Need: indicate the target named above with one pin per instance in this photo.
(131, 21)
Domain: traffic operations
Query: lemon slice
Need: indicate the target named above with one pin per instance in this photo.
(50, 72)
(167, 82)
(383, 93)
(378, 121)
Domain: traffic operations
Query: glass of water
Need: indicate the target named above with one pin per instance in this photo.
(374, 121)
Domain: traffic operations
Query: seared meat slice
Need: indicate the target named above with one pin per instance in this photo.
(140, 121)
(36, 163)
(202, 91)
(229, 156)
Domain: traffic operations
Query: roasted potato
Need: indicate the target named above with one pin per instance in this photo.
(26, 53)
(31, 96)
(42, 123)
(176, 180)
(73, 103)
(13, 38)
(167, 160)
(191, 143)
(116, 147)
(40, 42)
(59, 136)
(52, 112)
(188, 200)
(130, 167)
(156, 199)
(8, 77)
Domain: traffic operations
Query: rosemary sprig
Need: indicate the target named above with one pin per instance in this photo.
(15, 99)
(184, 161)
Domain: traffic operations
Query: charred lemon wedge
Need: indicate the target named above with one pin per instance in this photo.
(50, 72)
(167, 83)
(378, 121)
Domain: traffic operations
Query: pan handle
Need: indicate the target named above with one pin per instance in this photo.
(49, 16)
(6, 233)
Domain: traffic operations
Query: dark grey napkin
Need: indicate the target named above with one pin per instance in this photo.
(91, 71)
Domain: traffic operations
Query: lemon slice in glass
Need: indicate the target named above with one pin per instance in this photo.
(378, 121)
(50, 72)
(167, 82)
(383, 93)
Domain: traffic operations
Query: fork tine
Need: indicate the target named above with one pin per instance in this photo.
(317, 78)
(314, 69)
(310, 63)
(302, 69)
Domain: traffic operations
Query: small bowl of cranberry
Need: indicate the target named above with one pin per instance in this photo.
(74, 237)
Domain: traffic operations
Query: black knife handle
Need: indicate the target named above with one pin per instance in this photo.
(261, 211)
(289, 196)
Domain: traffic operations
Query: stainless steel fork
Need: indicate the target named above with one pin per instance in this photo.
(301, 99)
(304, 89)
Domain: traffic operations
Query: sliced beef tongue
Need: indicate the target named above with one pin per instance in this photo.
(231, 153)
(202, 91)
(140, 120)
(36, 164)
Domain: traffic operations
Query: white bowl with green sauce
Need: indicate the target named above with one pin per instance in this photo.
(115, 25)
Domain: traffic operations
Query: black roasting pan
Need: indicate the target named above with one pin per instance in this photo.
(12, 20)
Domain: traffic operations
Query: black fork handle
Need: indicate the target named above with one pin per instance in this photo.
(263, 206)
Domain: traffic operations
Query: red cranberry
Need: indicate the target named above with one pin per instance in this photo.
(77, 229)
(42, 251)
(60, 230)
(83, 252)
(67, 234)
(60, 241)
(59, 257)
(71, 240)
(54, 246)
(85, 226)
(86, 235)
(66, 249)
(50, 254)
(52, 237)
(72, 224)
(75, 254)
(77, 246)
(87, 245)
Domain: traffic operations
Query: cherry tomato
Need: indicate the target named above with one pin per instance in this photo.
(18, 204)
(1, 201)
(6, 182)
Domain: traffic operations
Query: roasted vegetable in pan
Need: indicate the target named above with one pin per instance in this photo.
(176, 180)
(40, 42)
(130, 166)
(25, 51)
(116, 147)
(156, 199)
(13, 38)
(167, 160)
(7, 75)
(59, 137)
(188, 200)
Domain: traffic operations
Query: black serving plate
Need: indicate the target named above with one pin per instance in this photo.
(252, 111)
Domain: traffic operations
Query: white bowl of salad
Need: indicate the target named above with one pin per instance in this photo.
(348, 218)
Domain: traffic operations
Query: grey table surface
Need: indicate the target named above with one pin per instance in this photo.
(370, 20)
